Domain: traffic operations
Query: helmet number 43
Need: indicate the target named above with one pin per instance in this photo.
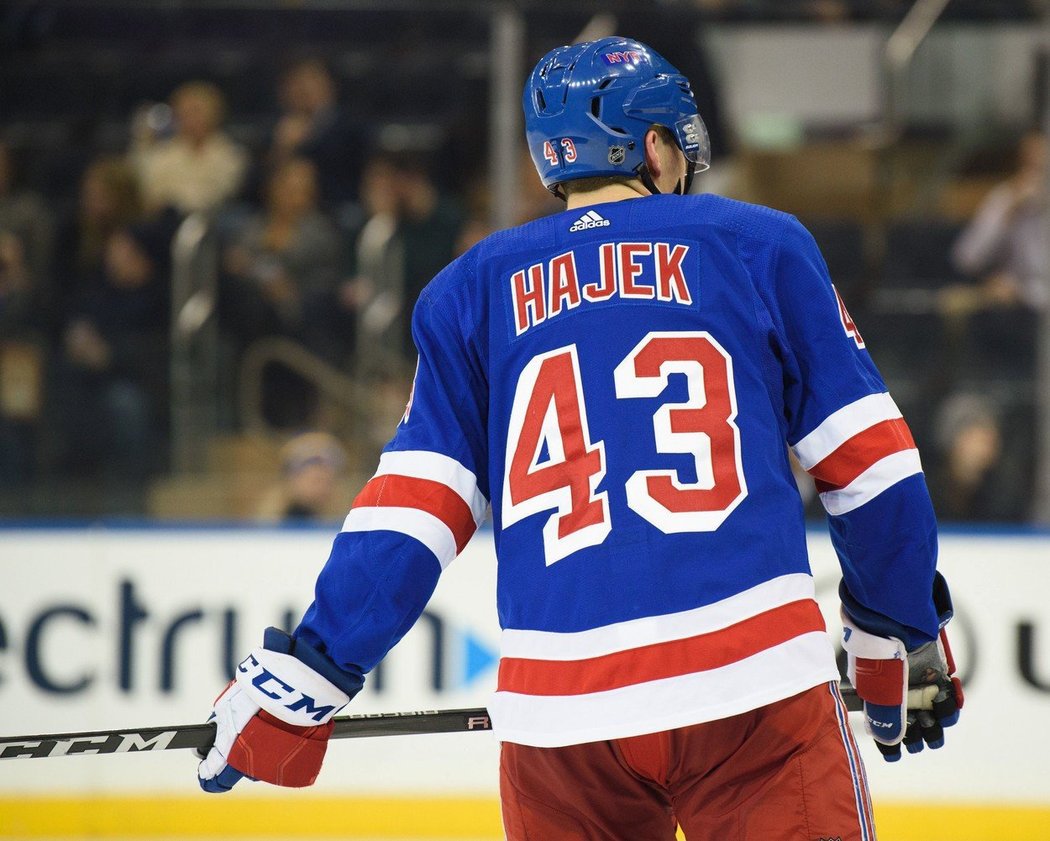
(552, 463)
(568, 149)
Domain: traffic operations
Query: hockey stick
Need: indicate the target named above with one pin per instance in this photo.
(201, 735)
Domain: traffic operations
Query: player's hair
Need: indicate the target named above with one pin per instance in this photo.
(665, 133)
(586, 185)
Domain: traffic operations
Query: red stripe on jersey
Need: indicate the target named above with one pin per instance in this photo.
(393, 491)
(661, 660)
(860, 452)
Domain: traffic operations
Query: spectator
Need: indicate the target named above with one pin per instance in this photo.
(17, 286)
(375, 295)
(21, 365)
(109, 200)
(313, 125)
(1005, 249)
(283, 268)
(112, 371)
(25, 298)
(976, 475)
(411, 232)
(26, 242)
(199, 167)
(312, 467)
(1006, 242)
(430, 226)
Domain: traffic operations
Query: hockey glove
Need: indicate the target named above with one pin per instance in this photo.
(273, 721)
(909, 696)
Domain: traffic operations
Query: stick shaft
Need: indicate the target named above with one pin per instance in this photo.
(181, 737)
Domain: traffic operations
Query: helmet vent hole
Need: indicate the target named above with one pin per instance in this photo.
(605, 83)
(596, 107)
(541, 103)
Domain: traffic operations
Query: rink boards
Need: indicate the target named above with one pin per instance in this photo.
(114, 627)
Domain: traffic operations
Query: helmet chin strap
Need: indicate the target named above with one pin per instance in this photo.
(680, 189)
(647, 180)
(690, 171)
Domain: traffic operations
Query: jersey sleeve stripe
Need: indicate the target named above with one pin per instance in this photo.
(665, 660)
(424, 464)
(842, 425)
(882, 475)
(860, 452)
(652, 630)
(434, 498)
(420, 525)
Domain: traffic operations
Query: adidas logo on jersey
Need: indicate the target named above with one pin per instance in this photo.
(589, 220)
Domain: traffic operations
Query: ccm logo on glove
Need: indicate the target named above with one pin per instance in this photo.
(273, 721)
(273, 687)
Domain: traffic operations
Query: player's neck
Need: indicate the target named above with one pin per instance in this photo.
(611, 192)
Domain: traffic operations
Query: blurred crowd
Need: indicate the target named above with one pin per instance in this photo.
(324, 240)
(953, 321)
(327, 231)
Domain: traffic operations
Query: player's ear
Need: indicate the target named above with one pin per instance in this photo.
(653, 160)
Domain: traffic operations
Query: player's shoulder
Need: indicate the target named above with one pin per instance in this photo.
(663, 212)
(500, 244)
(462, 285)
(456, 275)
(520, 239)
(755, 221)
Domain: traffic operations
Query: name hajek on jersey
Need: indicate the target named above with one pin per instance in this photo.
(625, 271)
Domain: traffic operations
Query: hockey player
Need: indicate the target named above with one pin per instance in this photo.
(621, 382)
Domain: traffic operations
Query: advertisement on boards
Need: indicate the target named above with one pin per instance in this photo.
(110, 628)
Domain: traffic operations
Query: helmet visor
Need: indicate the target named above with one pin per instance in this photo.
(692, 137)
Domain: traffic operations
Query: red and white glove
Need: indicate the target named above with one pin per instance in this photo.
(273, 721)
(909, 696)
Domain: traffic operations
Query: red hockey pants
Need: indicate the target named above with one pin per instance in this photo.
(790, 770)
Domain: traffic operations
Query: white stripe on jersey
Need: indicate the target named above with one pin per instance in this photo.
(882, 475)
(840, 426)
(650, 630)
(424, 527)
(771, 675)
(423, 464)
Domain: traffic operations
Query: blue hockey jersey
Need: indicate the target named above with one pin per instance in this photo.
(622, 383)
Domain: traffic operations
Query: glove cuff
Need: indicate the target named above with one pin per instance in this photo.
(350, 681)
(876, 666)
(860, 643)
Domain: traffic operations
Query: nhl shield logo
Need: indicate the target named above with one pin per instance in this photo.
(617, 155)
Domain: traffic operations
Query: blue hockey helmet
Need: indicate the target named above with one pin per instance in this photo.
(588, 107)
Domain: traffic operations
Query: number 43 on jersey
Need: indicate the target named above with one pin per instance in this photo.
(552, 463)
